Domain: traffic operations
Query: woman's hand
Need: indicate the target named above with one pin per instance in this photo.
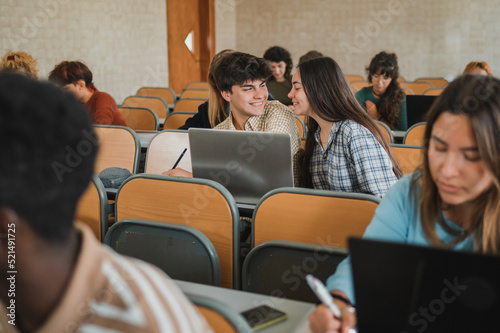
(178, 172)
(372, 110)
(322, 320)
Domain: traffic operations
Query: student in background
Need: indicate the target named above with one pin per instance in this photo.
(281, 64)
(240, 91)
(310, 55)
(76, 77)
(345, 150)
(384, 100)
(19, 62)
(478, 68)
(216, 109)
(451, 201)
(66, 281)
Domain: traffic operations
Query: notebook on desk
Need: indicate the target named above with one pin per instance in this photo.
(248, 164)
(403, 288)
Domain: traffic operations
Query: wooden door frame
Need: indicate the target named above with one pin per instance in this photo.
(207, 50)
(204, 42)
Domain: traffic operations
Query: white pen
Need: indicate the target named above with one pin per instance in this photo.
(324, 296)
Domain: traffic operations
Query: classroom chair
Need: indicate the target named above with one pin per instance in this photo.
(157, 104)
(181, 251)
(282, 265)
(139, 119)
(415, 134)
(312, 216)
(189, 104)
(200, 203)
(92, 208)
(118, 147)
(409, 157)
(177, 119)
(436, 82)
(166, 93)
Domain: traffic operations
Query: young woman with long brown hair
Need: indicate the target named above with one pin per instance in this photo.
(452, 200)
(345, 150)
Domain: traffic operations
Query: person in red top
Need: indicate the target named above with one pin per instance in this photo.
(76, 77)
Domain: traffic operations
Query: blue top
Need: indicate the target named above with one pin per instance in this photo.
(397, 219)
(352, 161)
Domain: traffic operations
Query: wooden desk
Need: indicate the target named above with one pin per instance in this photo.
(239, 300)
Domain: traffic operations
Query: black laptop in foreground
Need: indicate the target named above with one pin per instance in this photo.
(406, 288)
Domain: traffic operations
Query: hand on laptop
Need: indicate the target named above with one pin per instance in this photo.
(178, 172)
(322, 319)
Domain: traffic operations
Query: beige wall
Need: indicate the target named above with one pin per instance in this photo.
(225, 24)
(124, 42)
(431, 38)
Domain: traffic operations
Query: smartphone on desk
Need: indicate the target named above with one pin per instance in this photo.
(263, 316)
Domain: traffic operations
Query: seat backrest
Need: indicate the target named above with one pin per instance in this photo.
(164, 150)
(181, 251)
(92, 208)
(177, 119)
(407, 91)
(118, 147)
(409, 157)
(199, 203)
(197, 85)
(300, 126)
(415, 135)
(166, 93)
(386, 131)
(351, 78)
(189, 104)
(312, 216)
(418, 88)
(220, 316)
(359, 84)
(195, 93)
(139, 119)
(433, 92)
(268, 267)
(436, 82)
(157, 104)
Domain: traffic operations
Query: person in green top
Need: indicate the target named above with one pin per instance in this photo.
(281, 82)
(384, 99)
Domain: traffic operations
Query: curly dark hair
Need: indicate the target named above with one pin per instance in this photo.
(389, 107)
(278, 54)
(49, 159)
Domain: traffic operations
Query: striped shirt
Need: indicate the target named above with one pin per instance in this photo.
(353, 161)
(112, 293)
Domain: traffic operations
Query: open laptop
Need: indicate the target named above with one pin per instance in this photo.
(248, 164)
(406, 288)
(417, 107)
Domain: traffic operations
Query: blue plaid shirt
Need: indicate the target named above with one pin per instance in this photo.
(353, 161)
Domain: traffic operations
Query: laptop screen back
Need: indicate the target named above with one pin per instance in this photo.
(417, 107)
(403, 288)
(248, 164)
